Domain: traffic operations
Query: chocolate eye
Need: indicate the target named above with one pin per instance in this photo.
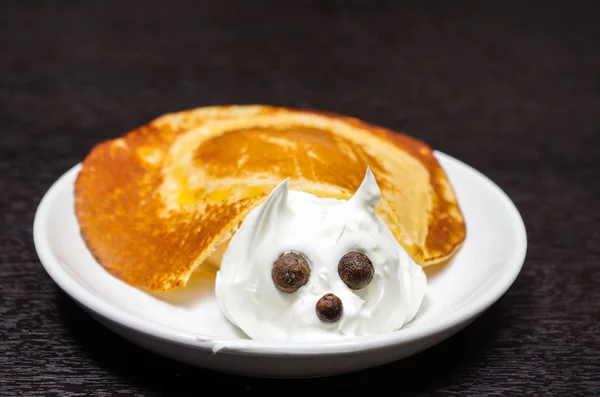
(356, 270)
(290, 272)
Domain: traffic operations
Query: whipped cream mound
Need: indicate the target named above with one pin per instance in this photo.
(319, 231)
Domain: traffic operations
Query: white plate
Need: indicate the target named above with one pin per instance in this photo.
(186, 325)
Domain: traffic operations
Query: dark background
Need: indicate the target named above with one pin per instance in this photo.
(511, 88)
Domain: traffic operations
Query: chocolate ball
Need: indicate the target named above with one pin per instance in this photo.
(290, 272)
(329, 308)
(356, 270)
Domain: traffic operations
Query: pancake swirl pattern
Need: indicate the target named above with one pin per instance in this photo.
(154, 204)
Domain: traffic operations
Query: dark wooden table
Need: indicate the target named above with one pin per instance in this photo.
(511, 88)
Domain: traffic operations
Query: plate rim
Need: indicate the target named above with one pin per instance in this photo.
(253, 347)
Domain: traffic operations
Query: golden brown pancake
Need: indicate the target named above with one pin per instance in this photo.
(153, 205)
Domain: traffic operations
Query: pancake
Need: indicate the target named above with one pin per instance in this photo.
(153, 205)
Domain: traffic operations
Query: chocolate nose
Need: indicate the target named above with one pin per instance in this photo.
(329, 308)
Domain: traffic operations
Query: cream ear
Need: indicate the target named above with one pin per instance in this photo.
(275, 205)
(368, 194)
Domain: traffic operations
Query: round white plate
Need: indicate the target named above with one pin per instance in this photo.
(186, 325)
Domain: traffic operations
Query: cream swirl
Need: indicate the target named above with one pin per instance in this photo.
(323, 231)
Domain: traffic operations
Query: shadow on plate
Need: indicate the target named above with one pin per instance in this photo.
(200, 284)
(434, 270)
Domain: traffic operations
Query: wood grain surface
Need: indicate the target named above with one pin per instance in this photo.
(511, 88)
